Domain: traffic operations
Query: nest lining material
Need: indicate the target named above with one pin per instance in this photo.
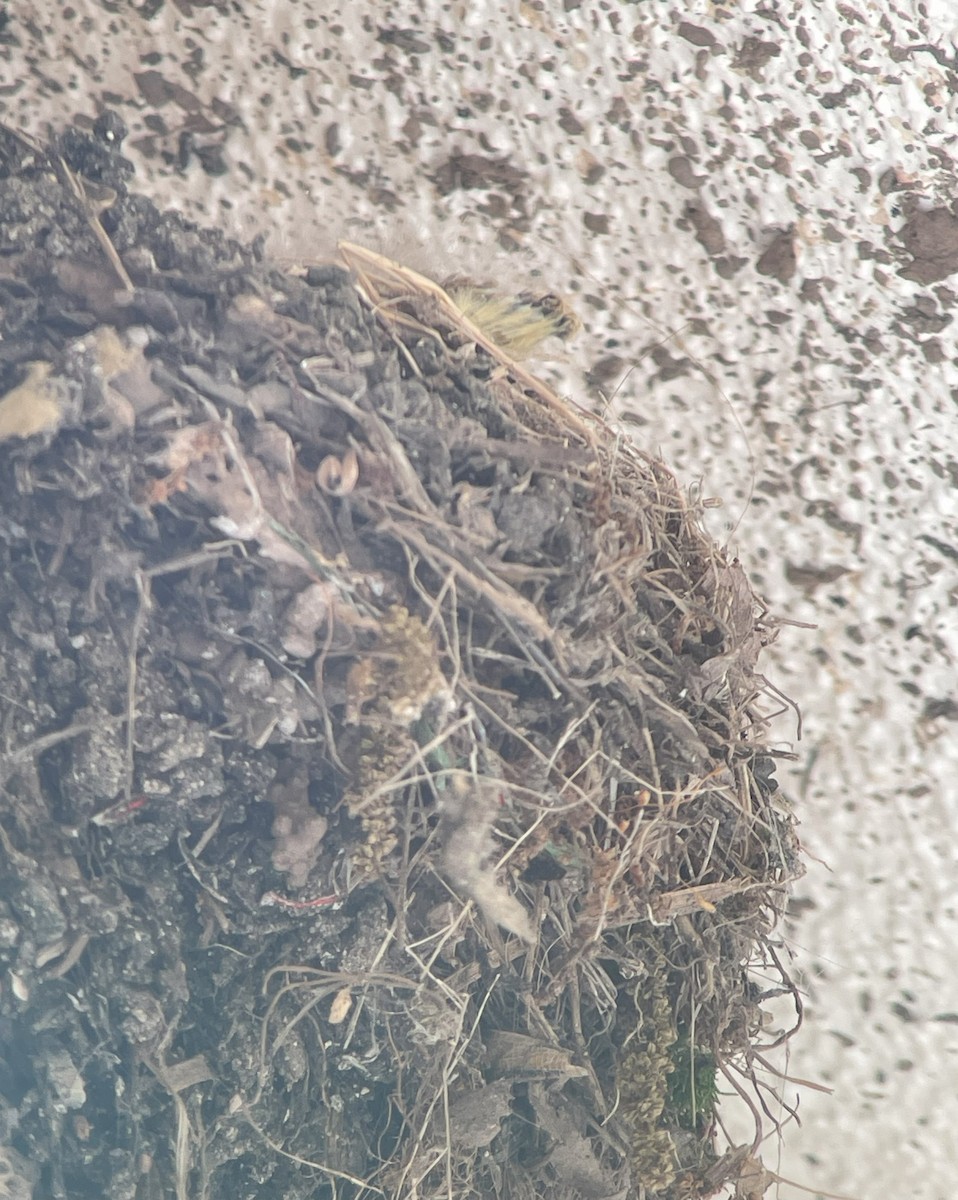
(424, 687)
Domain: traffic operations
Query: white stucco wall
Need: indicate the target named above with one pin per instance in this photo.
(650, 154)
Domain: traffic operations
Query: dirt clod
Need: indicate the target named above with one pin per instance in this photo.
(386, 806)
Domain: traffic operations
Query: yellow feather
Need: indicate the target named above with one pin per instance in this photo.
(517, 324)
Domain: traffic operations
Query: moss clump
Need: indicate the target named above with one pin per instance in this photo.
(386, 691)
(643, 1079)
(692, 1090)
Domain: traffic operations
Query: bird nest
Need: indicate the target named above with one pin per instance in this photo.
(389, 807)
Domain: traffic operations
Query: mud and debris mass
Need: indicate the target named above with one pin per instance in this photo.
(387, 807)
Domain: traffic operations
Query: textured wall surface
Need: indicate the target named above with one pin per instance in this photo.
(749, 206)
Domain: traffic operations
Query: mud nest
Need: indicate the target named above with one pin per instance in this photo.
(387, 807)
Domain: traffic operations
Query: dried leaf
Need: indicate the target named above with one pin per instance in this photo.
(754, 1181)
(517, 1054)
(571, 1157)
(475, 1115)
(342, 1003)
(187, 1073)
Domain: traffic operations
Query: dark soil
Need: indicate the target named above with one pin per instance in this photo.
(385, 806)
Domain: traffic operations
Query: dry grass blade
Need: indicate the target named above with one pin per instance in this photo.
(386, 283)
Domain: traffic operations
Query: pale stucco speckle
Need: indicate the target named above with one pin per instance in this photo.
(648, 166)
